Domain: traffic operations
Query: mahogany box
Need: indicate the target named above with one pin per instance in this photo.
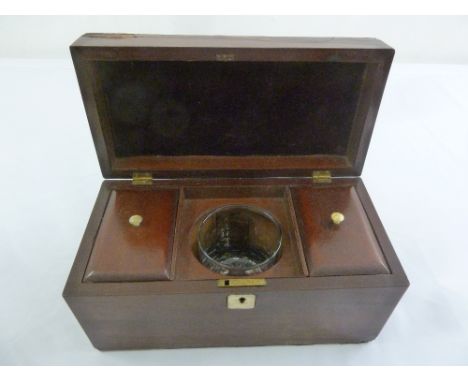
(188, 129)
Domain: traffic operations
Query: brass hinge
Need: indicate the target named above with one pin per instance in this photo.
(142, 178)
(321, 176)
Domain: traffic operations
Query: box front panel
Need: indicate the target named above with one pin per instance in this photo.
(199, 320)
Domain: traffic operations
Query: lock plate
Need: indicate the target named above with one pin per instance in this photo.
(226, 283)
(241, 301)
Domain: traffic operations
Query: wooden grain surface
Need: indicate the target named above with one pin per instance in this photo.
(193, 313)
(196, 202)
(350, 248)
(93, 48)
(337, 300)
(187, 41)
(123, 252)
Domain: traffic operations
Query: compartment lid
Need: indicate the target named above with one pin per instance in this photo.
(179, 106)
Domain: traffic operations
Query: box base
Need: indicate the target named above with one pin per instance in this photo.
(294, 309)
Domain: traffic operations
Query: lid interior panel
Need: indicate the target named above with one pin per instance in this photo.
(230, 108)
(186, 111)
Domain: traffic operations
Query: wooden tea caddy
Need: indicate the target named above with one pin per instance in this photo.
(183, 125)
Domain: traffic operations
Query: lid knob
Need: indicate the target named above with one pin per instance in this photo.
(135, 220)
(337, 218)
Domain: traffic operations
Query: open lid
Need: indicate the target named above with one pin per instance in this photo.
(179, 106)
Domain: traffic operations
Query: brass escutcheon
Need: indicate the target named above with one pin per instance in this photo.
(241, 301)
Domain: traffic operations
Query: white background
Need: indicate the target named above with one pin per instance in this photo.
(415, 173)
(425, 39)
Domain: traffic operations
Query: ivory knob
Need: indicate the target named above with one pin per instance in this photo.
(337, 218)
(135, 220)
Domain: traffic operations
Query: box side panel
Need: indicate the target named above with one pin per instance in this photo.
(381, 234)
(74, 281)
(199, 320)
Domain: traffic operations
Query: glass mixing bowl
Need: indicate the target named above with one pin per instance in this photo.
(239, 240)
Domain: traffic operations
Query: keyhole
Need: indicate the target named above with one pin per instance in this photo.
(241, 301)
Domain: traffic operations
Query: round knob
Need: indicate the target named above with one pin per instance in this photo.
(337, 218)
(135, 220)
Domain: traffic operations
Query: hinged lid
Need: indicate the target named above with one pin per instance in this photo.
(178, 106)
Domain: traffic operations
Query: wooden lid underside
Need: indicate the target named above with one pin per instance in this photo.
(239, 110)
